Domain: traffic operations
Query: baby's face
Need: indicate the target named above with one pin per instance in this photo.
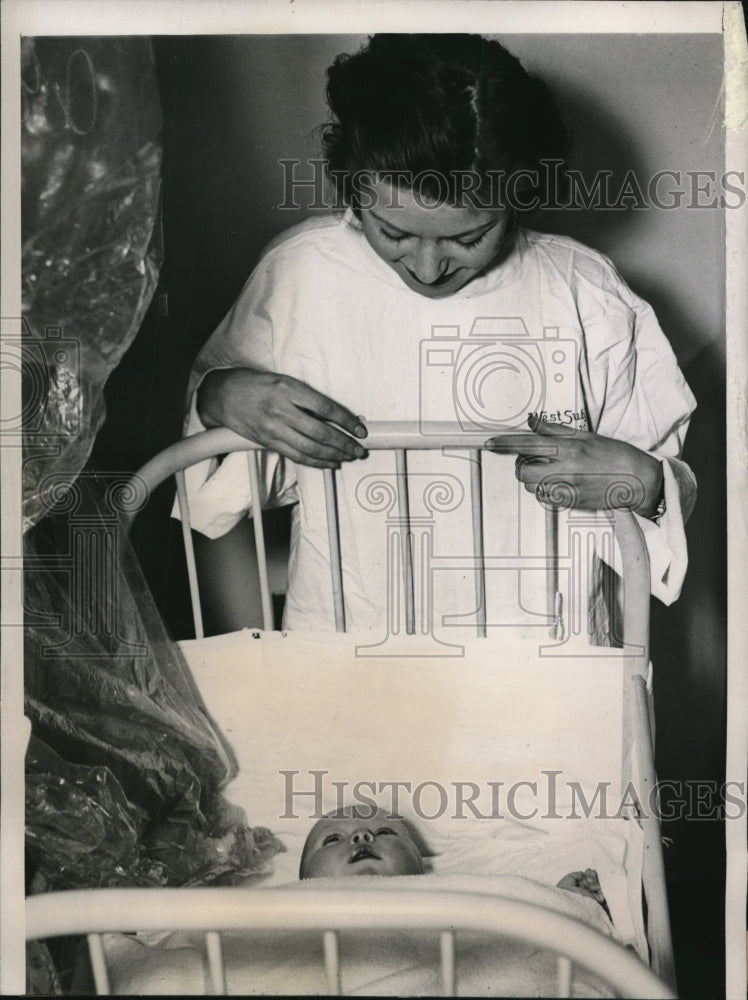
(349, 846)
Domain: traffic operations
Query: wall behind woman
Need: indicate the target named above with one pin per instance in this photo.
(234, 106)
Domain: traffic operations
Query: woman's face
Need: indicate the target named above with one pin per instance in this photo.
(435, 248)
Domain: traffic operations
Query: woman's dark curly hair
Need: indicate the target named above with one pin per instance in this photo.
(436, 103)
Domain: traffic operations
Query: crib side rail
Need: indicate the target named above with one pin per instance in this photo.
(401, 438)
(97, 911)
(659, 933)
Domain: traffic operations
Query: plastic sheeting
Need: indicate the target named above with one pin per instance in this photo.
(91, 158)
(124, 768)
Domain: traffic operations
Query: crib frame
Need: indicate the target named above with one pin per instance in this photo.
(94, 912)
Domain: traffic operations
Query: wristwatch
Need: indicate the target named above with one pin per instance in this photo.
(661, 505)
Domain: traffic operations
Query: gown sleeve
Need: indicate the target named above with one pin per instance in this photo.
(218, 490)
(635, 392)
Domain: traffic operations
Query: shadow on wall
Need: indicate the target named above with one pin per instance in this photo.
(688, 639)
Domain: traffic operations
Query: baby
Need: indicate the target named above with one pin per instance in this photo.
(344, 843)
(348, 843)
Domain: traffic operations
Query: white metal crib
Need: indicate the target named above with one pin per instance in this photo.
(94, 912)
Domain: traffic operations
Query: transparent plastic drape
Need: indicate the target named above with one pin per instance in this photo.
(124, 768)
(91, 159)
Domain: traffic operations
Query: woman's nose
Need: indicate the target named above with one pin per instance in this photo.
(362, 836)
(427, 263)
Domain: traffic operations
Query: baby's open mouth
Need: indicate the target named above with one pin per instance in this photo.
(361, 853)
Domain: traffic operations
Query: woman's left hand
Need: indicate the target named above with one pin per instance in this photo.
(571, 468)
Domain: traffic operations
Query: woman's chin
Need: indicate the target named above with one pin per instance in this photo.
(436, 290)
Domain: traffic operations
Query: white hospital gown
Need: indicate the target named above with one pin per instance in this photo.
(553, 330)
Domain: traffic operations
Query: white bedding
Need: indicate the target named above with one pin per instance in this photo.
(508, 848)
(402, 963)
(305, 712)
(297, 706)
(309, 718)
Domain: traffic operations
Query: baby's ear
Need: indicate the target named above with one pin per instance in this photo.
(418, 839)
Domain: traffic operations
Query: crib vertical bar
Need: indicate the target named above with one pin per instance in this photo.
(653, 868)
(331, 945)
(564, 972)
(403, 512)
(189, 553)
(476, 496)
(98, 964)
(575, 614)
(216, 968)
(448, 966)
(333, 535)
(636, 586)
(551, 568)
(607, 555)
(427, 606)
(591, 555)
(259, 530)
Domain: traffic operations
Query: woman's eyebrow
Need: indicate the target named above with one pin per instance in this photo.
(454, 236)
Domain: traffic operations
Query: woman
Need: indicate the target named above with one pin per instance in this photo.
(427, 300)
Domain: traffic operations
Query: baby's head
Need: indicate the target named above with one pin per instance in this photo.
(350, 841)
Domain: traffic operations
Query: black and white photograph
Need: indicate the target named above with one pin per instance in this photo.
(373, 472)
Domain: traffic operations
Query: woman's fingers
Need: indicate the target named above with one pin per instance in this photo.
(303, 456)
(523, 443)
(582, 469)
(548, 429)
(308, 430)
(530, 471)
(283, 414)
(326, 409)
(301, 444)
(289, 423)
(544, 439)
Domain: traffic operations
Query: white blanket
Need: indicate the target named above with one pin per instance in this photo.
(373, 964)
(309, 718)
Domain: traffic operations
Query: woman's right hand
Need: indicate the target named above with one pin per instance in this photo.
(281, 413)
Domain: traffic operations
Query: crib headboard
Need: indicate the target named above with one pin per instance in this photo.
(400, 439)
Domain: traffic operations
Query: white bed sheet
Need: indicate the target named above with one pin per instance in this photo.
(308, 719)
(380, 963)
